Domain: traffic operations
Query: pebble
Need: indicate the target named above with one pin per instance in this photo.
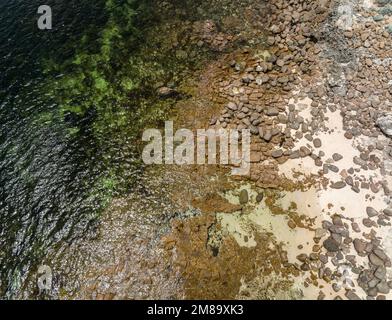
(384, 122)
(318, 162)
(337, 238)
(305, 267)
(316, 248)
(166, 92)
(372, 292)
(260, 197)
(323, 258)
(331, 245)
(336, 287)
(267, 136)
(371, 212)
(380, 272)
(333, 168)
(381, 254)
(367, 222)
(369, 247)
(317, 143)
(244, 197)
(388, 212)
(291, 224)
(337, 157)
(373, 283)
(375, 260)
(337, 221)
(302, 257)
(348, 135)
(272, 112)
(359, 245)
(277, 153)
(355, 227)
(232, 106)
(351, 295)
(303, 151)
(309, 137)
(355, 189)
(383, 287)
(349, 180)
(320, 233)
(326, 224)
(338, 185)
(321, 296)
(313, 256)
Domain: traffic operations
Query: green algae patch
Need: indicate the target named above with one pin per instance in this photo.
(112, 78)
(105, 95)
(104, 72)
(106, 91)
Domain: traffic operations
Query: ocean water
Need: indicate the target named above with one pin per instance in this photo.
(73, 103)
(54, 173)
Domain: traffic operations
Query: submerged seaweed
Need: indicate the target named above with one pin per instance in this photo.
(70, 134)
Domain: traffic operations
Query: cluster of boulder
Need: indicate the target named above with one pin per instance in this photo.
(309, 57)
(339, 246)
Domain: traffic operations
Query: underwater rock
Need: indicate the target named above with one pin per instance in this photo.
(166, 92)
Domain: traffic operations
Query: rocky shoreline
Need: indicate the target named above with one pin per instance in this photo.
(312, 220)
(359, 89)
(313, 74)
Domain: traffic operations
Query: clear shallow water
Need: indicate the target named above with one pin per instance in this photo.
(46, 174)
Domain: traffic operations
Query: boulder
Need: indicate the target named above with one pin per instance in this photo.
(371, 212)
(384, 122)
(166, 92)
(244, 197)
(331, 245)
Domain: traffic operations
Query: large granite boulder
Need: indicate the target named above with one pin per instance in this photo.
(384, 122)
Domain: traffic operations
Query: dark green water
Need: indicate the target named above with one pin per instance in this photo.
(58, 167)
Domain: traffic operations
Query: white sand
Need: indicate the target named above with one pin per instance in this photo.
(317, 203)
